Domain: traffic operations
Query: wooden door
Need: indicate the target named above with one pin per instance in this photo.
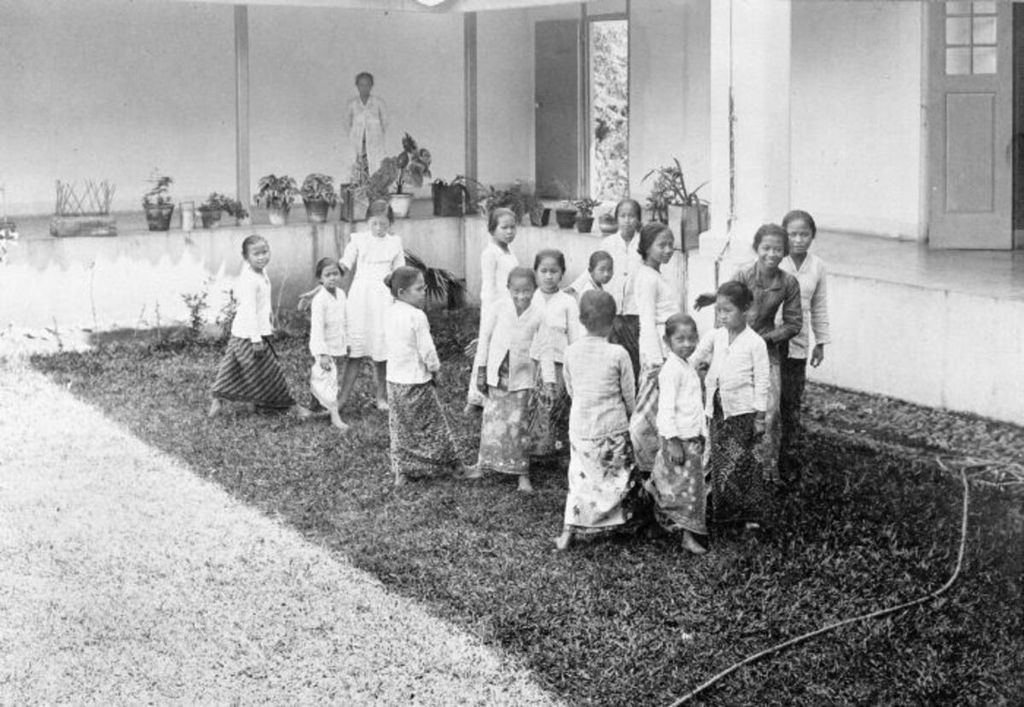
(970, 124)
(557, 93)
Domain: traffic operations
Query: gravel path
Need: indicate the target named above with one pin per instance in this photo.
(125, 578)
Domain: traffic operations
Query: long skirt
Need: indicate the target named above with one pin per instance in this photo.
(680, 492)
(422, 443)
(247, 378)
(738, 489)
(549, 417)
(643, 426)
(504, 433)
(768, 447)
(794, 379)
(626, 333)
(605, 491)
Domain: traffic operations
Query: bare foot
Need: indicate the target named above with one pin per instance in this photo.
(338, 422)
(563, 541)
(401, 479)
(382, 405)
(524, 484)
(216, 407)
(472, 472)
(300, 412)
(691, 544)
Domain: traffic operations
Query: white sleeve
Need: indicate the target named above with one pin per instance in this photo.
(819, 311)
(646, 293)
(762, 375)
(351, 254)
(668, 391)
(488, 272)
(425, 343)
(317, 319)
(573, 316)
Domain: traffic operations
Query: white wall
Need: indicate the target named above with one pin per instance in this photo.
(669, 83)
(856, 115)
(109, 89)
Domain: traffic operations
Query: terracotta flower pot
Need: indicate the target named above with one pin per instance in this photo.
(566, 218)
(400, 204)
(210, 217)
(317, 210)
(158, 217)
(584, 224)
(278, 215)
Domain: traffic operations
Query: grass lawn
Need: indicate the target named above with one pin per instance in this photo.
(629, 621)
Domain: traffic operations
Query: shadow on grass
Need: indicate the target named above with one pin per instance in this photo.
(624, 620)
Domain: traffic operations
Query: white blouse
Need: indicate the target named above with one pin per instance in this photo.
(252, 315)
(560, 326)
(625, 261)
(814, 301)
(657, 299)
(680, 401)
(495, 265)
(327, 325)
(412, 357)
(738, 373)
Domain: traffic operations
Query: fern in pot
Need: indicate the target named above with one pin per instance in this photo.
(276, 195)
(319, 196)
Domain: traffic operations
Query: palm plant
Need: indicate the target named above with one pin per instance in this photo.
(442, 285)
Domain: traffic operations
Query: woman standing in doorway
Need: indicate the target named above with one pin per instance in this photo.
(365, 123)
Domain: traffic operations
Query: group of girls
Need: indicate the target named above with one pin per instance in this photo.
(556, 372)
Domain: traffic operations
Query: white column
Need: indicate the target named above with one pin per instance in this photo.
(750, 69)
(242, 183)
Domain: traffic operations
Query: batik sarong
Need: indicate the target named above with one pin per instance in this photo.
(680, 492)
(643, 425)
(626, 333)
(504, 433)
(738, 488)
(422, 443)
(605, 491)
(245, 377)
(548, 421)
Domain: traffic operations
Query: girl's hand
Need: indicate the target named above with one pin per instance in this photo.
(325, 362)
(759, 425)
(818, 355)
(258, 348)
(676, 453)
(470, 349)
(481, 380)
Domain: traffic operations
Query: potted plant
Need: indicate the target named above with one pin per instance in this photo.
(276, 194)
(364, 188)
(450, 197)
(216, 204)
(158, 204)
(668, 191)
(607, 224)
(585, 214)
(442, 285)
(565, 214)
(319, 196)
(413, 164)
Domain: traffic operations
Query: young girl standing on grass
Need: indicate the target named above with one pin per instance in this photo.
(249, 372)
(505, 376)
(327, 338)
(809, 270)
(496, 262)
(677, 482)
(374, 255)
(604, 488)
(559, 314)
(656, 299)
(422, 443)
(737, 397)
(600, 271)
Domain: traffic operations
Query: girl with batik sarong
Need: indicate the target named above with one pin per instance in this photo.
(505, 377)
(736, 400)
(328, 342)
(657, 299)
(677, 484)
(249, 372)
(559, 315)
(422, 443)
(605, 492)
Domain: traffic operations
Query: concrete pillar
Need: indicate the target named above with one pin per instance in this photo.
(750, 163)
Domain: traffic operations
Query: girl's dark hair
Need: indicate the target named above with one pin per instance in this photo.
(677, 321)
(551, 253)
(364, 75)
(597, 309)
(380, 207)
(519, 272)
(323, 264)
(637, 211)
(736, 292)
(598, 257)
(798, 215)
(495, 214)
(649, 233)
(402, 278)
(772, 229)
(249, 242)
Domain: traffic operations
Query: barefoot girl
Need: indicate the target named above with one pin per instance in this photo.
(737, 397)
(505, 376)
(600, 271)
(249, 371)
(657, 299)
(604, 488)
(622, 246)
(677, 482)
(374, 255)
(560, 323)
(327, 340)
(809, 270)
(773, 290)
(421, 440)
(496, 262)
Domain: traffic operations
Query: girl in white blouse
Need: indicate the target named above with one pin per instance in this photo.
(559, 314)
(422, 443)
(328, 341)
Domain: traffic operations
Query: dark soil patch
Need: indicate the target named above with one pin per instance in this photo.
(628, 620)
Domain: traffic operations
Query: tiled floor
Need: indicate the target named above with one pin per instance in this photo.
(998, 274)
